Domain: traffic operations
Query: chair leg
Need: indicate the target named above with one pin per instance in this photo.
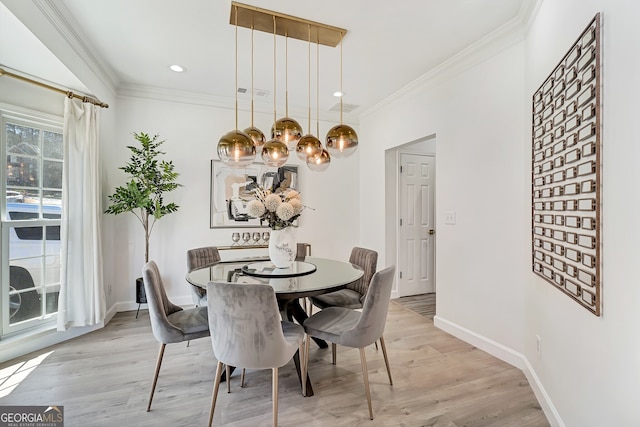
(333, 353)
(155, 375)
(304, 358)
(216, 386)
(228, 371)
(376, 344)
(275, 396)
(242, 378)
(386, 359)
(365, 377)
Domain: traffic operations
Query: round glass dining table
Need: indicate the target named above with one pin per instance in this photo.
(311, 277)
(308, 278)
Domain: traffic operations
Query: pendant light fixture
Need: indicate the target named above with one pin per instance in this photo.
(254, 133)
(235, 148)
(287, 129)
(342, 139)
(309, 145)
(320, 161)
(275, 153)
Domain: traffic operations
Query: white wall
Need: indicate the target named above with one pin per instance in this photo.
(590, 366)
(192, 133)
(477, 119)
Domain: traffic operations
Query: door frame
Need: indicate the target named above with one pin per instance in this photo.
(422, 146)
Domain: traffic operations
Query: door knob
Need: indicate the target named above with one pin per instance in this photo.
(431, 231)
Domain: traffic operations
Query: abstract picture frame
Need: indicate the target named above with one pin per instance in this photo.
(232, 188)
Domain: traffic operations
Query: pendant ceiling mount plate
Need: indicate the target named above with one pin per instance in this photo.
(287, 25)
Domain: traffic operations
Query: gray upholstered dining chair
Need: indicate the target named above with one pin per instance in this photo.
(201, 258)
(352, 328)
(303, 250)
(169, 323)
(246, 330)
(353, 295)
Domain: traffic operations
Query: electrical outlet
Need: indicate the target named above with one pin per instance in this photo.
(539, 345)
(450, 217)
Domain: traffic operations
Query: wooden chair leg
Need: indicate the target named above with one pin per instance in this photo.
(386, 359)
(228, 371)
(155, 375)
(365, 377)
(333, 353)
(216, 386)
(274, 393)
(242, 378)
(376, 344)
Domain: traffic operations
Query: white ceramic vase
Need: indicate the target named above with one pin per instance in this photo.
(282, 247)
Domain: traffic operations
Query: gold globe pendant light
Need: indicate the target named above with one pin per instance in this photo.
(342, 139)
(235, 148)
(287, 129)
(275, 153)
(309, 145)
(254, 133)
(320, 161)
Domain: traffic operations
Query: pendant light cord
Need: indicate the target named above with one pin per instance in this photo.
(236, 23)
(309, 81)
(318, 87)
(286, 74)
(252, 90)
(274, 69)
(341, 92)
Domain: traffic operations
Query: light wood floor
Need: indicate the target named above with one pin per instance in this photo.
(103, 379)
(423, 304)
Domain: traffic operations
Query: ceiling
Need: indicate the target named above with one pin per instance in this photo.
(389, 44)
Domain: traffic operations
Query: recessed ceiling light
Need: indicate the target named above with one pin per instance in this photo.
(177, 68)
(338, 94)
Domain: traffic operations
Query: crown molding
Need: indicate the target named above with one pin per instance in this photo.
(193, 98)
(59, 18)
(507, 35)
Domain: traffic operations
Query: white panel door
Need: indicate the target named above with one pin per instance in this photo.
(416, 245)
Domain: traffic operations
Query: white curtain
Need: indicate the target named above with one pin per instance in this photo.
(82, 299)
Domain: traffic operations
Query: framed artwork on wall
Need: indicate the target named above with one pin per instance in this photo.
(232, 189)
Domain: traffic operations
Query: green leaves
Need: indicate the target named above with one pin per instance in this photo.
(150, 179)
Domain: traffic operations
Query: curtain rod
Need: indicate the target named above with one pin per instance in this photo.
(68, 93)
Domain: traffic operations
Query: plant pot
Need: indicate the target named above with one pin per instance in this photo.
(282, 247)
(141, 296)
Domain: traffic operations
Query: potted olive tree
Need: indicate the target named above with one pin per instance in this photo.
(143, 195)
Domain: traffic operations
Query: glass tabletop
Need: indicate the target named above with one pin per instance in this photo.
(329, 275)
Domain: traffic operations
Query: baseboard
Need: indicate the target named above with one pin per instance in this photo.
(543, 398)
(494, 348)
(509, 356)
(183, 301)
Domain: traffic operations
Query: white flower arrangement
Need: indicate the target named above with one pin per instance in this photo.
(278, 210)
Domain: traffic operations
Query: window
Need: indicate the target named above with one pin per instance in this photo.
(31, 202)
